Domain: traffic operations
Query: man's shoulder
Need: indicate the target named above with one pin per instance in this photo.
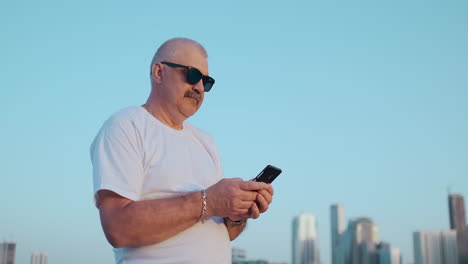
(125, 115)
(119, 125)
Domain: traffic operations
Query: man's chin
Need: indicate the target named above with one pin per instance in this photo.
(193, 101)
(189, 111)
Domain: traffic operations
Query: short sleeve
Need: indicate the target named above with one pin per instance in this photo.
(116, 156)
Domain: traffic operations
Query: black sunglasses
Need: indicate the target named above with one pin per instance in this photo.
(194, 75)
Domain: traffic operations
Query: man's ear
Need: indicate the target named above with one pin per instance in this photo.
(156, 72)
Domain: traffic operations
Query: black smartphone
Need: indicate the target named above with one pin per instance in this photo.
(268, 174)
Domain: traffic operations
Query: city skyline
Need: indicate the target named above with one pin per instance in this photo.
(359, 103)
(430, 247)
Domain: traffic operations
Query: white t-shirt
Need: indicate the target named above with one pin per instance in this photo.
(140, 158)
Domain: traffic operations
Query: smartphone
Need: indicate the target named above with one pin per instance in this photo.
(268, 174)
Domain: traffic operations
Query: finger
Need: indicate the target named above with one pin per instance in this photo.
(266, 195)
(270, 189)
(254, 211)
(253, 186)
(248, 195)
(262, 204)
(242, 213)
(245, 205)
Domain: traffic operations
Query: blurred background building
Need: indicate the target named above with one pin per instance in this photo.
(7, 253)
(358, 243)
(435, 247)
(446, 246)
(239, 256)
(338, 227)
(457, 217)
(304, 240)
(39, 258)
(388, 255)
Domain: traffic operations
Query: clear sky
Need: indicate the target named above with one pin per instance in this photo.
(359, 102)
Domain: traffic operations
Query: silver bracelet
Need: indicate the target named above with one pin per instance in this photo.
(203, 212)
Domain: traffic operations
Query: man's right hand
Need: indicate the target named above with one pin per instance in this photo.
(233, 198)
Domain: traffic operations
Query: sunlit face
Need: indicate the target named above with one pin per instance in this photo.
(180, 96)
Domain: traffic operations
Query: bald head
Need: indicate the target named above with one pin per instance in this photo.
(170, 49)
(174, 92)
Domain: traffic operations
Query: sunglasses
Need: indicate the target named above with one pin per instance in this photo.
(194, 75)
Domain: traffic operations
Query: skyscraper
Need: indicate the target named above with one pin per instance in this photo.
(39, 258)
(358, 245)
(435, 247)
(462, 239)
(458, 223)
(457, 212)
(337, 229)
(304, 240)
(7, 253)
(364, 236)
(388, 255)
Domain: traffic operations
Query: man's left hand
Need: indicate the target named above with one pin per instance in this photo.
(261, 205)
(264, 199)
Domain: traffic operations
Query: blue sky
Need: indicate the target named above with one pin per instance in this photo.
(362, 102)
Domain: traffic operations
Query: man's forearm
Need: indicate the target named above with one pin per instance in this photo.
(149, 222)
(141, 223)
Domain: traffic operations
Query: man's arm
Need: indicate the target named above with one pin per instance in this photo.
(261, 205)
(139, 223)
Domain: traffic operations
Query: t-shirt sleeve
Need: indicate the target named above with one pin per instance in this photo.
(116, 156)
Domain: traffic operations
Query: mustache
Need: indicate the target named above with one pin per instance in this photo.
(193, 94)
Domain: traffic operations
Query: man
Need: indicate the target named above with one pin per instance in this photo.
(158, 180)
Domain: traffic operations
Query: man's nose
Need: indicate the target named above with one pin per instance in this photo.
(199, 87)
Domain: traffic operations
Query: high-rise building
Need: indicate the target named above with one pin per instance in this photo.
(457, 212)
(364, 238)
(458, 223)
(39, 258)
(337, 229)
(7, 253)
(462, 238)
(304, 240)
(388, 255)
(239, 256)
(435, 247)
(358, 244)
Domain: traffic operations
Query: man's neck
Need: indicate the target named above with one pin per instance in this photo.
(163, 114)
